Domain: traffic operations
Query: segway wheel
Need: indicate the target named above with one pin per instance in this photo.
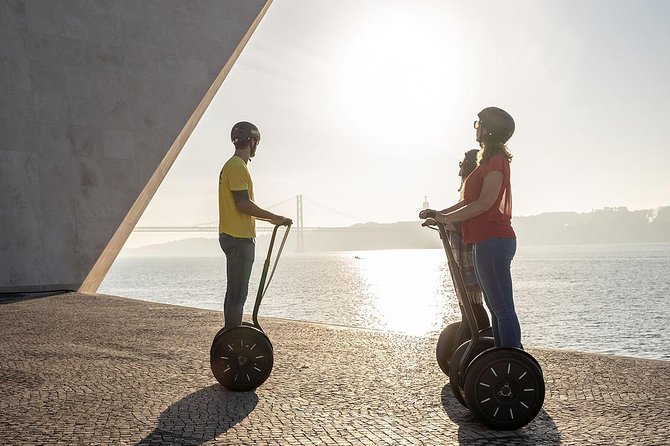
(504, 387)
(241, 358)
(447, 344)
(482, 345)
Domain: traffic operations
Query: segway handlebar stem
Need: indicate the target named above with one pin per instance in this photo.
(459, 283)
(263, 286)
(469, 314)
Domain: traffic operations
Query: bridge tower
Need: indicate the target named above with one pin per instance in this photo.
(299, 223)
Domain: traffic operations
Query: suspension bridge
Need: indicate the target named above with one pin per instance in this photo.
(290, 207)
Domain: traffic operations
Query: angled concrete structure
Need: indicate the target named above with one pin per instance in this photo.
(98, 98)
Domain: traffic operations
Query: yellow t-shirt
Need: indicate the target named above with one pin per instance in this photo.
(234, 177)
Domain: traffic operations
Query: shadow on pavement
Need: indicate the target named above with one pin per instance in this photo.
(10, 298)
(201, 416)
(542, 430)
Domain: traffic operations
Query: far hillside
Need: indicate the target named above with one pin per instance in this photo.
(603, 226)
(608, 225)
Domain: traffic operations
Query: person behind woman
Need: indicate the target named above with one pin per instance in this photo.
(486, 212)
(463, 252)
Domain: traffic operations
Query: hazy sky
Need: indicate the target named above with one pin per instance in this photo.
(366, 106)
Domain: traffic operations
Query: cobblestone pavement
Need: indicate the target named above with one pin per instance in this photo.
(78, 369)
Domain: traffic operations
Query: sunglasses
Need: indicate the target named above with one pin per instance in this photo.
(477, 124)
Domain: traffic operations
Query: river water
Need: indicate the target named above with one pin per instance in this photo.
(596, 298)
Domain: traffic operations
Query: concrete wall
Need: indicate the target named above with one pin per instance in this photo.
(97, 98)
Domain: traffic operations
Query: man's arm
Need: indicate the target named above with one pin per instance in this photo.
(245, 205)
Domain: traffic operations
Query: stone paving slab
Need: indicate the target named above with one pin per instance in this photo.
(104, 370)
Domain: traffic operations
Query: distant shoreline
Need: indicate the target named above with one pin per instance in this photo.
(169, 249)
(601, 227)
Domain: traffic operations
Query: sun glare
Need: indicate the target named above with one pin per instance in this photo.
(397, 69)
(407, 290)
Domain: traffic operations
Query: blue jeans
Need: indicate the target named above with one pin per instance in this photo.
(240, 253)
(493, 258)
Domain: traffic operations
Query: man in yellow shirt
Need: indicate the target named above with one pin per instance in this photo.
(237, 225)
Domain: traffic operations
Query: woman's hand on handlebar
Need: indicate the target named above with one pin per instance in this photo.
(427, 213)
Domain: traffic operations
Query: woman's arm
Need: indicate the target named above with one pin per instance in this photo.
(458, 205)
(428, 213)
(490, 190)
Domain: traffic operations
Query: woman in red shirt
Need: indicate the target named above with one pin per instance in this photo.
(486, 213)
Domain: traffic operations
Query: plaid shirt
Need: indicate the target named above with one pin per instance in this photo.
(464, 257)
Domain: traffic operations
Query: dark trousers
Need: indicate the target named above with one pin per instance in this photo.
(240, 253)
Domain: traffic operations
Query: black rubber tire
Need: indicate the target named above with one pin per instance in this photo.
(241, 358)
(504, 388)
(484, 343)
(449, 340)
(447, 344)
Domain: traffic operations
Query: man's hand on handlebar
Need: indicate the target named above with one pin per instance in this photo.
(429, 222)
(279, 220)
(429, 215)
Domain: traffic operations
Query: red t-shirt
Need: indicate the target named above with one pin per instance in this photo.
(497, 221)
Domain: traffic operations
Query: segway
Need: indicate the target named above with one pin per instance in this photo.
(242, 357)
(451, 337)
(502, 386)
(456, 333)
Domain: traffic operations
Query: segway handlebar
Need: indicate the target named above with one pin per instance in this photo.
(263, 285)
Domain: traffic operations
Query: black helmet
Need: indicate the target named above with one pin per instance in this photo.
(498, 123)
(244, 131)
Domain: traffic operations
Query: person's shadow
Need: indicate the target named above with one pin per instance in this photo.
(542, 430)
(201, 416)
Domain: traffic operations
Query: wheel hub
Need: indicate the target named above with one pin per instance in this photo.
(505, 391)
